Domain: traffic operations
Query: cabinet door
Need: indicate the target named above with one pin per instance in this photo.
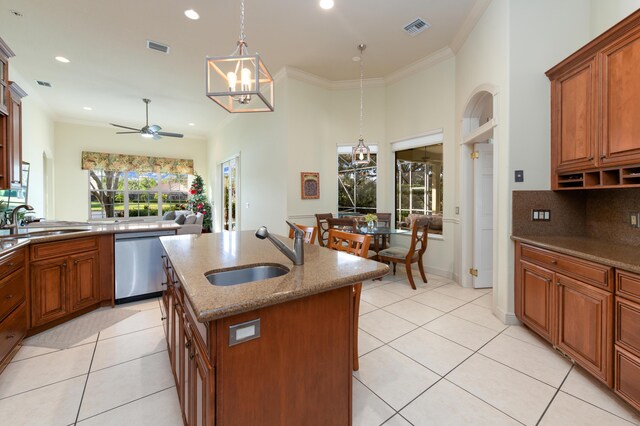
(573, 118)
(174, 339)
(585, 325)
(14, 153)
(184, 349)
(48, 290)
(620, 106)
(201, 376)
(84, 280)
(535, 304)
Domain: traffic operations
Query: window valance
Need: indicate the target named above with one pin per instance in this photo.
(139, 163)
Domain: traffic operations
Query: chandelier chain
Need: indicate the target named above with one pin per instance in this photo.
(361, 93)
(242, 20)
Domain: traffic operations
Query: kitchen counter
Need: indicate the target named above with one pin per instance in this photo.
(621, 256)
(192, 256)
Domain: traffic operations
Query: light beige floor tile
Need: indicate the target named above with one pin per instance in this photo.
(367, 285)
(485, 301)
(384, 326)
(368, 409)
(585, 387)
(544, 364)
(403, 288)
(523, 333)
(393, 376)
(142, 305)
(439, 301)
(366, 307)
(459, 292)
(128, 346)
(463, 332)
(434, 352)
(479, 315)
(123, 383)
(140, 321)
(44, 370)
(367, 343)
(447, 404)
(31, 351)
(506, 389)
(56, 404)
(379, 297)
(397, 420)
(160, 409)
(413, 311)
(89, 340)
(567, 410)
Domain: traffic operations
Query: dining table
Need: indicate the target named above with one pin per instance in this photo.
(378, 234)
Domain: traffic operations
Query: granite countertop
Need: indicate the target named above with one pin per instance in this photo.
(192, 256)
(621, 256)
(30, 234)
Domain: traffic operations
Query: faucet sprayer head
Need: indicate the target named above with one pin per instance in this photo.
(262, 232)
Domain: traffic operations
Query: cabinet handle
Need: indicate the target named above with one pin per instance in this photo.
(75, 262)
(191, 355)
(558, 283)
(163, 318)
(64, 265)
(187, 344)
(590, 158)
(548, 280)
(10, 264)
(163, 256)
(9, 296)
(554, 262)
(602, 157)
(163, 284)
(10, 336)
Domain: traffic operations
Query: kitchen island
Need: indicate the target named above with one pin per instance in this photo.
(273, 351)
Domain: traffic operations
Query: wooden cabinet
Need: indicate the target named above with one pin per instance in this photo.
(65, 279)
(627, 332)
(595, 134)
(13, 305)
(14, 140)
(569, 302)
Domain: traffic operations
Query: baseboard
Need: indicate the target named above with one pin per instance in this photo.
(456, 278)
(508, 318)
(441, 272)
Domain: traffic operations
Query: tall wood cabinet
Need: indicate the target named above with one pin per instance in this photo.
(627, 332)
(10, 124)
(595, 133)
(13, 302)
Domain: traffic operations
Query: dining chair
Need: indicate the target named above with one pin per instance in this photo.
(310, 233)
(357, 245)
(323, 227)
(347, 224)
(384, 219)
(413, 254)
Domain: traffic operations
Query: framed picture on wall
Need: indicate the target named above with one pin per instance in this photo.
(309, 185)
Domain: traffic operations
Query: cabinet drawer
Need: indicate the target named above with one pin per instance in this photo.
(12, 330)
(589, 272)
(628, 324)
(11, 262)
(12, 292)
(627, 377)
(62, 248)
(628, 285)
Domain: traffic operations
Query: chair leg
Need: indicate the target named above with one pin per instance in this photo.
(394, 267)
(357, 289)
(424, 277)
(409, 275)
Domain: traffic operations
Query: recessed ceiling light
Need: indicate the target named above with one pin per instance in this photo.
(191, 14)
(356, 59)
(192, 124)
(87, 108)
(62, 59)
(326, 4)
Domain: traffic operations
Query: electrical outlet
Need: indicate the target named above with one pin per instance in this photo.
(634, 219)
(541, 215)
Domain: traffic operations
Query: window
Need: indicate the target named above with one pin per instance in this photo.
(419, 181)
(356, 183)
(230, 189)
(132, 194)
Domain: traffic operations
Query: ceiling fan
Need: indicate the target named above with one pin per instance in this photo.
(147, 131)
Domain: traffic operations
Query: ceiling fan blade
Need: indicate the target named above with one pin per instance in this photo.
(154, 128)
(156, 137)
(171, 135)
(125, 127)
(126, 133)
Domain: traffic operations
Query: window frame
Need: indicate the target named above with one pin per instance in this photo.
(347, 150)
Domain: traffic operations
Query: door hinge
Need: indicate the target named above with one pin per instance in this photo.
(475, 155)
(473, 271)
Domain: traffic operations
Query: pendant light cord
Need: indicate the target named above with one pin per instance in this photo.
(242, 20)
(361, 91)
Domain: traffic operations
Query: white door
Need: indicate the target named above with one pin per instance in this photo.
(483, 215)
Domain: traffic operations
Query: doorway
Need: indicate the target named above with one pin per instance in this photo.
(230, 191)
(483, 215)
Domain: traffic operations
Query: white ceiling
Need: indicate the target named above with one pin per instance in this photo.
(111, 69)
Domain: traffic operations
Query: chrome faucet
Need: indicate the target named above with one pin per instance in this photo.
(297, 254)
(13, 227)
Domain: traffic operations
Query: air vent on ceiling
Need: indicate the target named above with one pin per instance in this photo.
(43, 83)
(154, 45)
(416, 27)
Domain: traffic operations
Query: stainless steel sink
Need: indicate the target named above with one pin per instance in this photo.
(246, 274)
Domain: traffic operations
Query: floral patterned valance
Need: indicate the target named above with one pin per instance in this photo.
(139, 163)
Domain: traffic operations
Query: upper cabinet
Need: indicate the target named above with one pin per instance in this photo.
(595, 105)
(10, 124)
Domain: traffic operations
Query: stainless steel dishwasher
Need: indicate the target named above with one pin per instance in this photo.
(138, 265)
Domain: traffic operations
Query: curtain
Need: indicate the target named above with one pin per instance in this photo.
(138, 163)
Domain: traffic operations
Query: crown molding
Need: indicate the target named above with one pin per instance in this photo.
(307, 77)
(424, 63)
(476, 12)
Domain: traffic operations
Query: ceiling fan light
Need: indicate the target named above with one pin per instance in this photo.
(146, 135)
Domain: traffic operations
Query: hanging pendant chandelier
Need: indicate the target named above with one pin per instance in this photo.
(240, 82)
(361, 152)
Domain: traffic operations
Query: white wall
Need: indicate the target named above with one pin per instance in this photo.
(72, 183)
(606, 13)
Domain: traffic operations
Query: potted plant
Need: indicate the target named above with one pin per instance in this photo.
(370, 218)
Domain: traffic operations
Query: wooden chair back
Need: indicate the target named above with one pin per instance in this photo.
(356, 244)
(347, 224)
(310, 233)
(419, 238)
(323, 227)
(384, 219)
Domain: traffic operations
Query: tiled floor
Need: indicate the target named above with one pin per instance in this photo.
(433, 356)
